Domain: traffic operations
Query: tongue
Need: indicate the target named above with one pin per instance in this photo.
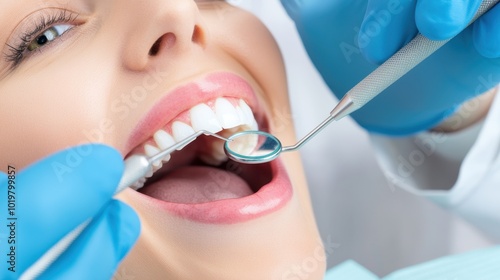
(198, 184)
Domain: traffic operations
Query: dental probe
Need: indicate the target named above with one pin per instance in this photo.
(136, 168)
(381, 78)
(394, 68)
(385, 75)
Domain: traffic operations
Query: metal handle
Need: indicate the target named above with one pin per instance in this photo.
(394, 68)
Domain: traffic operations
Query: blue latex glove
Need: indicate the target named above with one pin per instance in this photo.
(53, 197)
(346, 39)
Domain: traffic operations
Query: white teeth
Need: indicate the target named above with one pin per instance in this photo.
(216, 155)
(204, 118)
(152, 151)
(218, 151)
(224, 116)
(226, 113)
(164, 141)
(139, 184)
(249, 118)
(209, 159)
(241, 115)
(246, 110)
(181, 131)
(159, 166)
(246, 145)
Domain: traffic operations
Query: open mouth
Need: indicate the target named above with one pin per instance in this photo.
(199, 181)
(201, 171)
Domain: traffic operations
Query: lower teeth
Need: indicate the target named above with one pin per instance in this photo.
(215, 157)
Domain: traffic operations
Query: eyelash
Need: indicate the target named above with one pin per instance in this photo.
(16, 53)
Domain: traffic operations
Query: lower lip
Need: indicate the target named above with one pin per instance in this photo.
(268, 199)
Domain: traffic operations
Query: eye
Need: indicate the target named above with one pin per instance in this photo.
(48, 36)
(37, 32)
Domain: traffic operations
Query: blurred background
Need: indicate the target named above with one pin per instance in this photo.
(372, 221)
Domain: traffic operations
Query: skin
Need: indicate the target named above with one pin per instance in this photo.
(61, 96)
(468, 114)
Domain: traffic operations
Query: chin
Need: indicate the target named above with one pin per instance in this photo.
(204, 216)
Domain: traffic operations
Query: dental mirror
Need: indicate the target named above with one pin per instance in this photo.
(253, 147)
(243, 148)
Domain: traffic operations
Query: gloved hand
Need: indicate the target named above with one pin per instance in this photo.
(54, 196)
(346, 39)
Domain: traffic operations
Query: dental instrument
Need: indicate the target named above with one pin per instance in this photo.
(380, 79)
(136, 168)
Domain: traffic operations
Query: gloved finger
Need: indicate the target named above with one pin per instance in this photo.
(443, 19)
(96, 253)
(3, 179)
(60, 192)
(486, 33)
(387, 26)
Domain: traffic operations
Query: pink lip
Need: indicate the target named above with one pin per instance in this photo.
(185, 97)
(270, 198)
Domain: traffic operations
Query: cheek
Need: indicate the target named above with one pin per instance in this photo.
(45, 113)
(247, 40)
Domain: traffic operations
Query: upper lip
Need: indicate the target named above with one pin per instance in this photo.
(186, 96)
(270, 197)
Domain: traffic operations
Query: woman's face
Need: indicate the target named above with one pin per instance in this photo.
(141, 75)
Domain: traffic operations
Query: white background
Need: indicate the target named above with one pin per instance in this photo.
(379, 226)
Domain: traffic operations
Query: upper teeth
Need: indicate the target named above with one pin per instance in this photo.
(223, 115)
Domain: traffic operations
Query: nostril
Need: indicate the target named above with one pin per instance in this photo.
(198, 35)
(155, 48)
(165, 41)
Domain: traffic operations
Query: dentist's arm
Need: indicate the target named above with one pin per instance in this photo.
(347, 39)
(54, 196)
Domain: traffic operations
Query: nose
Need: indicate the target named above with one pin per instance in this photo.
(160, 30)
